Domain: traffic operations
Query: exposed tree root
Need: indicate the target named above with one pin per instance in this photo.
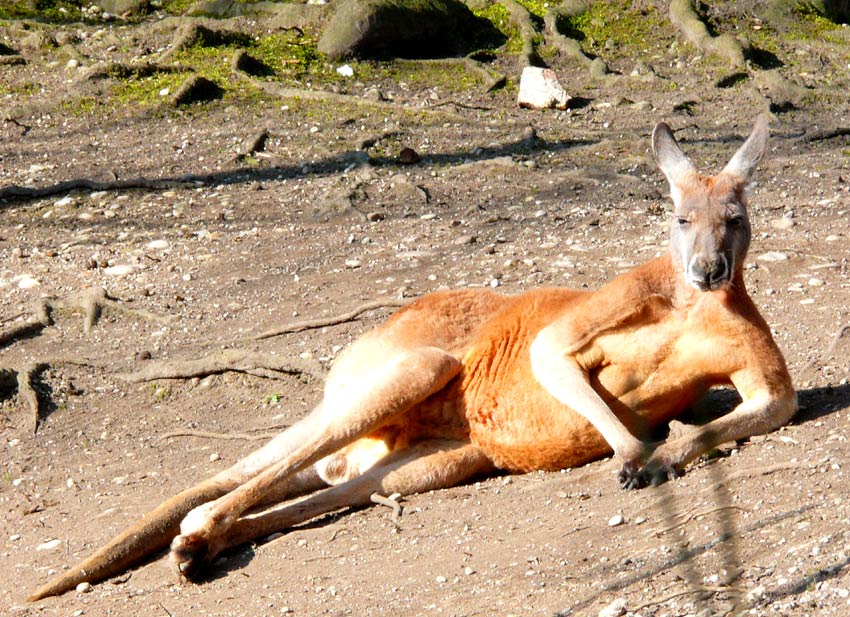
(193, 33)
(90, 302)
(237, 360)
(21, 379)
(527, 30)
(25, 192)
(569, 46)
(685, 18)
(312, 324)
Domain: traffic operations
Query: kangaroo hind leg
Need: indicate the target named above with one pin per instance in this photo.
(426, 466)
(354, 406)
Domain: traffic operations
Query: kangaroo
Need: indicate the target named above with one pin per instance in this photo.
(463, 383)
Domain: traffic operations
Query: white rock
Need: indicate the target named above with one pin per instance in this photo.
(345, 70)
(539, 89)
(352, 263)
(27, 282)
(84, 587)
(121, 269)
(617, 608)
(157, 244)
(773, 256)
(49, 545)
(782, 223)
(616, 520)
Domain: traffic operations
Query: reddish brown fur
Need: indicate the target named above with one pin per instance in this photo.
(464, 382)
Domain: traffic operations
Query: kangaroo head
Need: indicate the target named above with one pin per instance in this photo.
(710, 230)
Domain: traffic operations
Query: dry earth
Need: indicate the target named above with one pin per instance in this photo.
(301, 231)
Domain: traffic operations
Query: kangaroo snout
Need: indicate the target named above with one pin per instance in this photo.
(709, 273)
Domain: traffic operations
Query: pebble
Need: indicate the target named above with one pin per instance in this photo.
(783, 223)
(617, 608)
(440, 579)
(121, 270)
(27, 282)
(773, 256)
(84, 587)
(352, 263)
(158, 244)
(214, 457)
(616, 520)
(49, 545)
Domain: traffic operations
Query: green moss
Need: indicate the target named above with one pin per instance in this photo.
(498, 15)
(43, 10)
(632, 30)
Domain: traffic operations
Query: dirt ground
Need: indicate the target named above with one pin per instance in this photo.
(225, 249)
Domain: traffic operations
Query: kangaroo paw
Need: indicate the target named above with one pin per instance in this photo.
(631, 477)
(190, 555)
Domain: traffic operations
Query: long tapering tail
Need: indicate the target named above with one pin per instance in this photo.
(151, 534)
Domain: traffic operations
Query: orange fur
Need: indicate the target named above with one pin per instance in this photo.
(460, 383)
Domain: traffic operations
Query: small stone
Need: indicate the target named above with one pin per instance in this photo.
(352, 263)
(27, 282)
(816, 282)
(214, 457)
(374, 217)
(84, 587)
(440, 579)
(157, 244)
(408, 156)
(783, 223)
(617, 608)
(468, 571)
(73, 63)
(49, 545)
(773, 256)
(345, 70)
(616, 520)
(121, 270)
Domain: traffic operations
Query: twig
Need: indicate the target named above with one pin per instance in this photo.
(753, 471)
(237, 360)
(390, 502)
(829, 349)
(312, 324)
(209, 435)
(700, 589)
(689, 516)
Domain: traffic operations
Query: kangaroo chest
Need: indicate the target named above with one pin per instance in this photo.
(647, 373)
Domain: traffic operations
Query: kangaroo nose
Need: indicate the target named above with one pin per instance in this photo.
(710, 273)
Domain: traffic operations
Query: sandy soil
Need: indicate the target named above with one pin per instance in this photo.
(302, 232)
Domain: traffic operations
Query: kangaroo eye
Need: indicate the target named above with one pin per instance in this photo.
(682, 221)
(735, 221)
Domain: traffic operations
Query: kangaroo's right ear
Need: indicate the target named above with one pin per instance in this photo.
(669, 156)
(671, 160)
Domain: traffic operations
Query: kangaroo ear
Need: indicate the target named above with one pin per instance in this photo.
(747, 157)
(670, 158)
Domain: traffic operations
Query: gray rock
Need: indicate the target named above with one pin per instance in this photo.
(405, 28)
(125, 7)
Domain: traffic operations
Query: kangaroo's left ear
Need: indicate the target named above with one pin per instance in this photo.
(747, 157)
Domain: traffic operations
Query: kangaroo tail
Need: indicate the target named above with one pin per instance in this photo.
(151, 534)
